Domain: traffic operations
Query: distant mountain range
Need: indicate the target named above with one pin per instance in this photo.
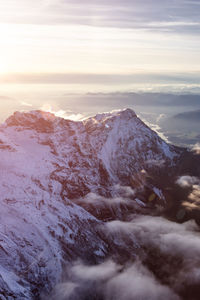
(182, 128)
(192, 116)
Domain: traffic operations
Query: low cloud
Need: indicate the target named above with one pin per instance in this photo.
(137, 282)
(196, 149)
(65, 114)
(111, 281)
(120, 195)
(64, 291)
(122, 203)
(164, 264)
(160, 117)
(98, 200)
(110, 207)
(164, 242)
(192, 203)
(187, 181)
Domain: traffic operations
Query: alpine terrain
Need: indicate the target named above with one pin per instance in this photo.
(85, 194)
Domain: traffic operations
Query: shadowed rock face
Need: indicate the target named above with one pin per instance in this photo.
(46, 162)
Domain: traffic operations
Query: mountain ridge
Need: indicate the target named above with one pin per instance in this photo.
(48, 166)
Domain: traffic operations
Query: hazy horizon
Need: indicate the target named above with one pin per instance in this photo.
(53, 52)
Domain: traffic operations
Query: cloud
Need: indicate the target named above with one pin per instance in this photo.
(167, 16)
(187, 181)
(177, 16)
(164, 264)
(112, 281)
(193, 202)
(122, 200)
(106, 79)
(137, 282)
(101, 272)
(170, 242)
(196, 148)
(120, 195)
(98, 200)
(160, 117)
(64, 291)
(65, 114)
(23, 103)
(195, 195)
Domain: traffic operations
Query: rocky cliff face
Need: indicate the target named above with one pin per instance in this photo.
(53, 175)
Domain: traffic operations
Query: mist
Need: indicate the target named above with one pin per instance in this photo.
(168, 257)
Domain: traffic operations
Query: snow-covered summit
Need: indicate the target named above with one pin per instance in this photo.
(42, 118)
(125, 113)
(48, 161)
(89, 155)
(36, 119)
(20, 118)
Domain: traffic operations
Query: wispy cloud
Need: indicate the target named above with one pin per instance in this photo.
(23, 103)
(105, 79)
(167, 16)
(109, 43)
(65, 114)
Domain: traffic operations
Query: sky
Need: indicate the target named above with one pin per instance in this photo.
(60, 41)
(85, 46)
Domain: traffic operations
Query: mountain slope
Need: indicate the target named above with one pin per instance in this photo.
(46, 162)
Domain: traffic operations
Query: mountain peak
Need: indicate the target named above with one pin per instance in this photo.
(21, 118)
(49, 167)
(32, 115)
(37, 119)
(128, 112)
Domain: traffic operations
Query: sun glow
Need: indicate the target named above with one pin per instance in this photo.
(9, 51)
(52, 37)
(32, 48)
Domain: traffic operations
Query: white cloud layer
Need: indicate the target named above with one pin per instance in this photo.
(110, 281)
(187, 181)
(196, 148)
(172, 247)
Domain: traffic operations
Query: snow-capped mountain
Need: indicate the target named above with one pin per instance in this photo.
(47, 164)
